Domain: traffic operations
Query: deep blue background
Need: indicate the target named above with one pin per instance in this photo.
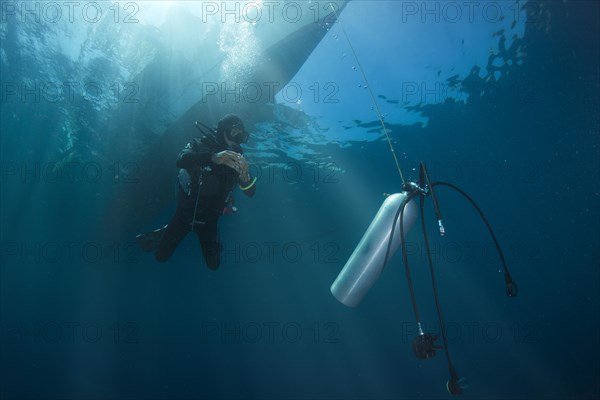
(544, 210)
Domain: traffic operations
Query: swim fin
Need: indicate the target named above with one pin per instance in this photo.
(149, 241)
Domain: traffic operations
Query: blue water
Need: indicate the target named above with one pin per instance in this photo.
(86, 315)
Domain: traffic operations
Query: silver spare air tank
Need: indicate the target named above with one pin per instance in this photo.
(366, 262)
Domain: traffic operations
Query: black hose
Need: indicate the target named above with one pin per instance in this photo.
(454, 383)
(451, 369)
(400, 212)
(405, 259)
(424, 179)
(511, 287)
(201, 127)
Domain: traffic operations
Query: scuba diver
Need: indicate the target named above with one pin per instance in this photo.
(209, 169)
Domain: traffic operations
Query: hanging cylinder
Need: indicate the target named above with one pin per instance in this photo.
(367, 261)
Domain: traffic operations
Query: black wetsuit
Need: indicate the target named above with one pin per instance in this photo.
(200, 207)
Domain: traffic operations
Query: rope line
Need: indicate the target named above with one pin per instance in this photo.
(380, 115)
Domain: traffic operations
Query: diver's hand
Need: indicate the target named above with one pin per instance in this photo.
(226, 157)
(233, 160)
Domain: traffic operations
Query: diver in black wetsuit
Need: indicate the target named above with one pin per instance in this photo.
(210, 167)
